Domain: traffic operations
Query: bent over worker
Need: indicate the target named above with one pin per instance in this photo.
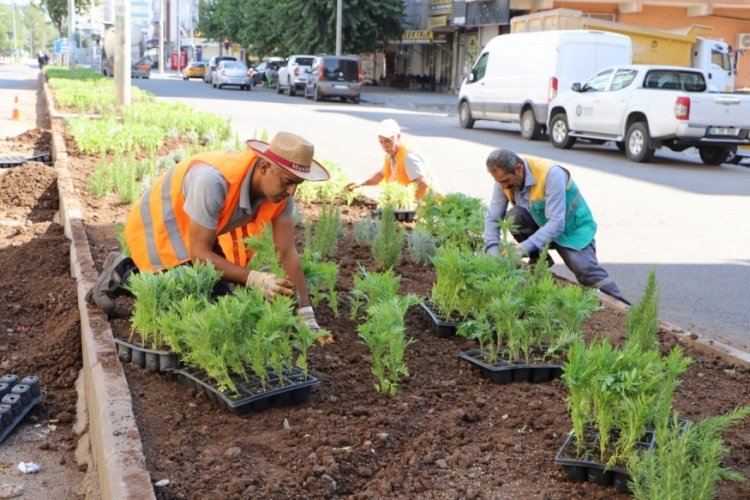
(402, 163)
(547, 208)
(182, 216)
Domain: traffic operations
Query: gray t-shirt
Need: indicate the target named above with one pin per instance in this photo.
(415, 166)
(205, 189)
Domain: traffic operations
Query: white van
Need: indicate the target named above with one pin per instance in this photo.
(517, 75)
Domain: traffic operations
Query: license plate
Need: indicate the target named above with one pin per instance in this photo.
(341, 86)
(722, 131)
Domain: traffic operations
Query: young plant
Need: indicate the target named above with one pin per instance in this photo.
(421, 246)
(321, 242)
(384, 334)
(389, 240)
(455, 220)
(401, 197)
(321, 281)
(686, 462)
(642, 321)
(264, 252)
(365, 230)
(371, 287)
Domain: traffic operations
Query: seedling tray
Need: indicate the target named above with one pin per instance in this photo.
(589, 469)
(290, 389)
(17, 398)
(158, 361)
(400, 215)
(14, 161)
(443, 328)
(505, 371)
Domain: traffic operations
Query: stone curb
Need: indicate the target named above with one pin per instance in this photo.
(116, 446)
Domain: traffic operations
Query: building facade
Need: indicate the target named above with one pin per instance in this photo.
(442, 38)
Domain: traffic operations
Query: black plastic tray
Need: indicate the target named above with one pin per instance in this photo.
(14, 161)
(17, 398)
(293, 388)
(158, 361)
(443, 328)
(400, 215)
(579, 470)
(505, 372)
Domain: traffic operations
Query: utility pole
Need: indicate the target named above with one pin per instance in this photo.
(339, 11)
(179, 42)
(162, 6)
(122, 52)
(15, 43)
(71, 30)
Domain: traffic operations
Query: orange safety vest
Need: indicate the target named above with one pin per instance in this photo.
(402, 177)
(156, 230)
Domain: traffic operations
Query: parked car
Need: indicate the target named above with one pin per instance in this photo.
(335, 76)
(231, 73)
(259, 74)
(212, 64)
(194, 69)
(293, 75)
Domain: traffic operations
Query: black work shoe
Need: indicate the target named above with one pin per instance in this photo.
(105, 289)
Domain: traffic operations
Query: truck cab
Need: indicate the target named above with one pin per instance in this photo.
(714, 58)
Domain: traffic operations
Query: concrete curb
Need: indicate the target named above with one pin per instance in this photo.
(116, 446)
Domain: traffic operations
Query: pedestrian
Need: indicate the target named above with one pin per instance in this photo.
(547, 208)
(189, 212)
(270, 76)
(402, 163)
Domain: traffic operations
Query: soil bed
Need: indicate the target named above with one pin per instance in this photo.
(448, 433)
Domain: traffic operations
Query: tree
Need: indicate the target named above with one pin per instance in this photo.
(58, 11)
(40, 31)
(283, 27)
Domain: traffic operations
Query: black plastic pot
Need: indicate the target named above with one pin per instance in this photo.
(443, 327)
(158, 361)
(399, 215)
(16, 400)
(503, 371)
(290, 389)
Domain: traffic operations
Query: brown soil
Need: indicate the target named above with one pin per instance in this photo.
(447, 433)
(39, 323)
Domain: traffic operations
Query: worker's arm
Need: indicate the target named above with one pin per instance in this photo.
(372, 181)
(283, 239)
(495, 213)
(202, 244)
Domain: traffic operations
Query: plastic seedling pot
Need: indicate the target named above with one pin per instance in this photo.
(503, 371)
(17, 399)
(443, 328)
(158, 361)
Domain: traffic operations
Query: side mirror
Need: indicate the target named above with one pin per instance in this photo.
(576, 87)
(471, 77)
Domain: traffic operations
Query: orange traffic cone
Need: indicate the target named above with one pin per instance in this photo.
(16, 112)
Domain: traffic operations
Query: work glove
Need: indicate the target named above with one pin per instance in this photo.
(514, 250)
(352, 186)
(307, 316)
(270, 284)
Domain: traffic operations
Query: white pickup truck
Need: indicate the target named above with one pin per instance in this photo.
(293, 75)
(644, 107)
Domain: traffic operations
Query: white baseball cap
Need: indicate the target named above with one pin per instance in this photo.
(388, 128)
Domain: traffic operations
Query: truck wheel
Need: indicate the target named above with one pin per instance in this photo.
(292, 90)
(637, 143)
(714, 155)
(316, 96)
(559, 133)
(464, 115)
(530, 129)
(279, 90)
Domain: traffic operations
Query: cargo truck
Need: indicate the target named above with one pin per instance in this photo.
(689, 48)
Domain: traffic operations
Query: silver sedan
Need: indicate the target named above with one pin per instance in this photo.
(231, 73)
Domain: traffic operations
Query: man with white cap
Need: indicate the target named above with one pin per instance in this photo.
(200, 209)
(401, 164)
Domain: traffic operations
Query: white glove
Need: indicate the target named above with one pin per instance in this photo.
(270, 284)
(307, 316)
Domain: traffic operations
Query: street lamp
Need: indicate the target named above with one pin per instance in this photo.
(339, 10)
(15, 44)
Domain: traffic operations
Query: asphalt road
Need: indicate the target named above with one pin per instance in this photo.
(686, 220)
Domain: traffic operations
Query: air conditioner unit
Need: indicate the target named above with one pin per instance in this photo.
(743, 41)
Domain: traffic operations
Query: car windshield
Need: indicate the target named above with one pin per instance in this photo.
(340, 69)
(233, 65)
(670, 79)
(305, 61)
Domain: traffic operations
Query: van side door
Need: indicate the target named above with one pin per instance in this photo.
(476, 82)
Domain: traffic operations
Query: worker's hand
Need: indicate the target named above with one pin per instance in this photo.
(515, 251)
(307, 316)
(352, 186)
(270, 285)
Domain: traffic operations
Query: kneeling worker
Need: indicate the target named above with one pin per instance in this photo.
(547, 208)
(401, 164)
(181, 217)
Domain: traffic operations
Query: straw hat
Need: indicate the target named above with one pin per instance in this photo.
(292, 153)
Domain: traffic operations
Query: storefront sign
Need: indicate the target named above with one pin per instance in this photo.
(440, 7)
(436, 21)
(417, 36)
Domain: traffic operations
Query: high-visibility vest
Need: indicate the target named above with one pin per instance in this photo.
(580, 226)
(401, 175)
(156, 230)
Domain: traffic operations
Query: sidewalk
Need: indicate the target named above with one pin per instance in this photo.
(18, 82)
(421, 100)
